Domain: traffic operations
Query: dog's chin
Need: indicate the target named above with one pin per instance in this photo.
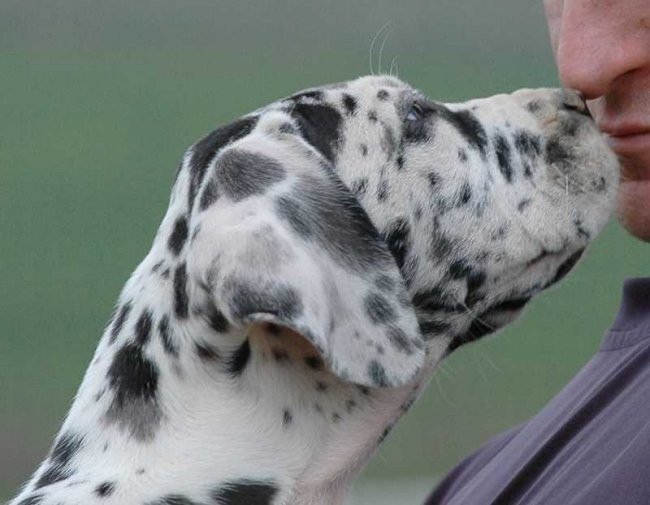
(509, 308)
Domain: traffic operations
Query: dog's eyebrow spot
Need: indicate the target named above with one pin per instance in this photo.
(383, 94)
(350, 103)
(470, 128)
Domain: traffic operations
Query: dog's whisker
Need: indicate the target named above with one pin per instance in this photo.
(372, 46)
(381, 49)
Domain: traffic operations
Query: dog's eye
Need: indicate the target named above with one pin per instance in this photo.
(415, 113)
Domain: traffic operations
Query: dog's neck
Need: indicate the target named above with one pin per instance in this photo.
(253, 405)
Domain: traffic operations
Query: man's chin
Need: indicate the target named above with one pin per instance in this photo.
(634, 208)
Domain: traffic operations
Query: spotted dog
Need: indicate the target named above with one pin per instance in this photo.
(318, 258)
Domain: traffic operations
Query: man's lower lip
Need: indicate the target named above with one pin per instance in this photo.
(630, 145)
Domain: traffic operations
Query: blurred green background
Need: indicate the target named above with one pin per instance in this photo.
(98, 100)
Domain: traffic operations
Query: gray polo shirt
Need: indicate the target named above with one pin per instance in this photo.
(589, 446)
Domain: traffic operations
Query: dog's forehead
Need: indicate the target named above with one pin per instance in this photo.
(367, 88)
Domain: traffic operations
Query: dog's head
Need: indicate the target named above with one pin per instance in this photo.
(383, 226)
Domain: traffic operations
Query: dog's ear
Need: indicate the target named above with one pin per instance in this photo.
(278, 238)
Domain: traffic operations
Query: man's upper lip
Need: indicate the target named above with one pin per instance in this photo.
(623, 129)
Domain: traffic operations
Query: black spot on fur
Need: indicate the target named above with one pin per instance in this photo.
(465, 194)
(581, 231)
(469, 127)
(350, 104)
(105, 489)
(384, 282)
(387, 142)
(477, 330)
(534, 106)
(383, 95)
(179, 236)
(245, 492)
(314, 362)
(286, 417)
(459, 269)
(247, 299)
(400, 162)
(504, 157)
(321, 387)
(510, 305)
(396, 237)
(217, 320)
(475, 280)
(143, 328)
(524, 204)
(435, 300)
(399, 341)
(372, 116)
(122, 314)
(462, 155)
(364, 149)
(433, 179)
(382, 190)
(166, 337)
(173, 499)
(319, 125)
(556, 152)
(378, 308)
(566, 267)
(528, 170)
(327, 212)
(35, 499)
(241, 174)
(377, 374)
(206, 352)
(60, 458)
(210, 193)
(132, 376)
(180, 291)
(207, 148)
(239, 359)
(527, 144)
(433, 327)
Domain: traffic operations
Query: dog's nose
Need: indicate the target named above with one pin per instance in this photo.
(574, 100)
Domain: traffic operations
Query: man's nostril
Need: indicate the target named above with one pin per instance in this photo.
(575, 100)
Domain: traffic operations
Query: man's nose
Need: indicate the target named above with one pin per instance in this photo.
(591, 51)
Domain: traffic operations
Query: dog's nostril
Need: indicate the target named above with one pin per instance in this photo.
(574, 100)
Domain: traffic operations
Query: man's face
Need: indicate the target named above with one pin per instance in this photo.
(602, 48)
